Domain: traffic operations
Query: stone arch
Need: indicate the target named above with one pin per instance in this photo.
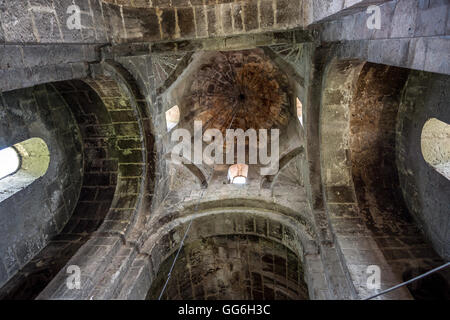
(373, 117)
(352, 237)
(337, 93)
(435, 145)
(143, 130)
(359, 131)
(38, 213)
(375, 110)
(118, 173)
(283, 227)
(254, 269)
(425, 190)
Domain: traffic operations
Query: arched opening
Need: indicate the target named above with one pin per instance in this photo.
(237, 174)
(22, 164)
(362, 162)
(98, 116)
(435, 145)
(172, 117)
(373, 116)
(38, 199)
(422, 150)
(299, 107)
(232, 267)
(358, 113)
(235, 252)
(10, 162)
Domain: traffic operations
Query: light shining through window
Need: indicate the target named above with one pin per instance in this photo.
(435, 144)
(172, 117)
(239, 180)
(237, 174)
(9, 162)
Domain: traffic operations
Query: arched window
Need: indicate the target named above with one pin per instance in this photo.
(300, 111)
(10, 162)
(435, 144)
(172, 117)
(237, 174)
(21, 165)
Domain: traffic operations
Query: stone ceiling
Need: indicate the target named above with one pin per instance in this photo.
(243, 86)
(165, 3)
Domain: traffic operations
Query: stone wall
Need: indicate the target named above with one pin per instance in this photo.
(118, 175)
(46, 21)
(425, 190)
(413, 34)
(33, 216)
(149, 73)
(23, 66)
(162, 23)
(369, 221)
(328, 206)
(232, 267)
(127, 137)
(373, 123)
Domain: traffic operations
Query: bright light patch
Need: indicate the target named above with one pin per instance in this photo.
(239, 180)
(299, 111)
(172, 117)
(435, 144)
(237, 174)
(9, 162)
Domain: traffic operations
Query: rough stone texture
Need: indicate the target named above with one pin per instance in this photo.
(127, 133)
(33, 216)
(39, 21)
(25, 66)
(233, 267)
(426, 191)
(328, 206)
(112, 177)
(409, 37)
(380, 200)
(131, 23)
(388, 231)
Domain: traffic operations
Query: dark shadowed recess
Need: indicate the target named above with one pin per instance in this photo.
(242, 267)
(97, 192)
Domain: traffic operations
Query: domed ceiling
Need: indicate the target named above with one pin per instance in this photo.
(243, 88)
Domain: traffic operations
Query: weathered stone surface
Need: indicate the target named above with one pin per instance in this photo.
(115, 204)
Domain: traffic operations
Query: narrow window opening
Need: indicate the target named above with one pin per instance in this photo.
(10, 162)
(172, 117)
(237, 174)
(435, 144)
(299, 111)
(21, 165)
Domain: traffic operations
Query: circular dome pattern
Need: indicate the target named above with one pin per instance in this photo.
(241, 88)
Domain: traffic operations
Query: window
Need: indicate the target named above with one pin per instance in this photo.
(299, 111)
(237, 174)
(21, 165)
(435, 144)
(10, 162)
(172, 117)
